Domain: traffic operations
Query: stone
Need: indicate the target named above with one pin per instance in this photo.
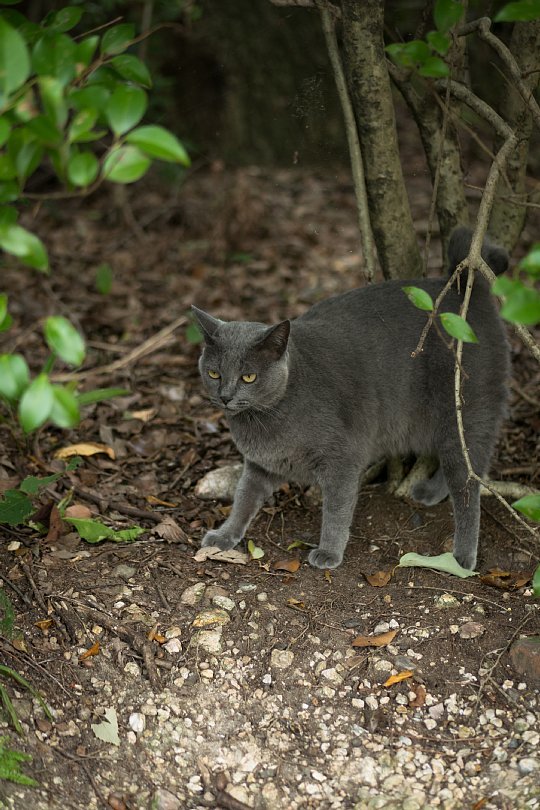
(224, 602)
(124, 571)
(210, 617)
(528, 765)
(209, 640)
(368, 772)
(193, 595)
(446, 600)
(137, 722)
(332, 675)
(281, 659)
(165, 800)
(471, 630)
(219, 484)
(525, 657)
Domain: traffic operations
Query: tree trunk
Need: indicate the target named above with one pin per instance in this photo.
(508, 215)
(371, 95)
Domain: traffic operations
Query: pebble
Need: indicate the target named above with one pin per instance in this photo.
(528, 765)
(471, 630)
(209, 640)
(281, 659)
(207, 618)
(332, 675)
(165, 800)
(193, 595)
(224, 602)
(137, 722)
(446, 600)
(124, 571)
(219, 484)
(173, 646)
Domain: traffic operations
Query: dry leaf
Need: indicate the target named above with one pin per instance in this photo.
(215, 553)
(506, 580)
(401, 676)
(420, 698)
(145, 415)
(85, 449)
(170, 531)
(296, 603)
(380, 579)
(78, 510)
(43, 624)
(287, 565)
(158, 502)
(374, 641)
(93, 650)
(328, 576)
(19, 644)
(56, 525)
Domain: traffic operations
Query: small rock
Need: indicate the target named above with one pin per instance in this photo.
(193, 595)
(165, 800)
(405, 662)
(173, 632)
(446, 600)
(436, 711)
(281, 659)
(219, 484)
(528, 765)
(209, 640)
(137, 722)
(240, 793)
(224, 602)
(471, 630)
(207, 618)
(332, 675)
(382, 627)
(267, 679)
(430, 723)
(525, 657)
(173, 646)
(368, 772)
(262, 597)
(124, 571)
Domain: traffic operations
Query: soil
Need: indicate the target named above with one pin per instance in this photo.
(234, 684)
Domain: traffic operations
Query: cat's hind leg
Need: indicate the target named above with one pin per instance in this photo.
(432, 491)
(340, 492)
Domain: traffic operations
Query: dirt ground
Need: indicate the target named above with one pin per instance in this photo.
(238, 685)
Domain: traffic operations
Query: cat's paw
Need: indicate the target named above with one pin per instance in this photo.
(466, 559)
(319, 558)
(217, 538)
(424, 492)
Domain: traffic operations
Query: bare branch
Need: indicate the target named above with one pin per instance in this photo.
(330, 7)
(463, 93)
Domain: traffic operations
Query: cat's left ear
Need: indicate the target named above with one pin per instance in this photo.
(275, 340)
(209, 325)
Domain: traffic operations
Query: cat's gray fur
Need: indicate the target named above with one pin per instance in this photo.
(337, 389)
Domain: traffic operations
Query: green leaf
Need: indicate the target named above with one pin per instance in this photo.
(536, 583)
(63, 20)
(100, 395)
(5, 129)
(117, 38)
(9, 709)
(104, 278)
(504, 285)
(194, 334)
(36, 403)
(8, 170)
(14, 61)
(107, 731)
(529, 506)
(522, 11)
(94, 97)
(15, 507)
(8, 215)
(531, 262)
(125, 164)
(28, 159)
(132, 69)
(83, 168)
(93, 531)
(10, 765)
(442, 562)
(434, 67)
(54, 55)
(159, 143)
(65, 410)
(18, 678)
(81, 124)
(14, 376)
(3, 307)
(9, 191)
(417, 50)
(255, 551)
(52, 96)
(44, 130)
(522, 306)
(439, 42)
(125, 108)
(446, 14)
(25, 245)
(32, 483)
(64, 340)
(458, 327)
(85, 50)
(420, 298)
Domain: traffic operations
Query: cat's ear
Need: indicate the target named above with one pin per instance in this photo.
(207, 323)
(275, 340)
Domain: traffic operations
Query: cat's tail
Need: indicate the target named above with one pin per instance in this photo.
(458, 249)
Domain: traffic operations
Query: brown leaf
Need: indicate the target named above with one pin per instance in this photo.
(401, 676)
(116, 802)
(287, 565)
(170, 531)
(506, 580)
(374, 641)
(380, 579)
(85, 449)
(56, 525)
(296, 603)
(78, 510)
(420, 698)
(158, 502)
(328, 576)
(215, 553)
(43, 624)
(93, 650)
(145, 415)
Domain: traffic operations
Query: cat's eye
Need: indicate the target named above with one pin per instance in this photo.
(249, 378)
(213, 374)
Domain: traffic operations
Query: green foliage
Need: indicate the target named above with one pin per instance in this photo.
(529, 506)
(420, 298)
(104, 278)
(521, 300)
(64, 340)
(94, 532)
(10, 762)
(443, 562)
(522, 11)
(194, 334)
(536, 583)
(59, 91)
(457, 327)
(7, 672)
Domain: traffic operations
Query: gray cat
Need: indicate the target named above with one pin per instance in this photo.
(318, 399)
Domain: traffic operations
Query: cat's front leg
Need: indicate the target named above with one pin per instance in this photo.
(340, 492)
(254, 487)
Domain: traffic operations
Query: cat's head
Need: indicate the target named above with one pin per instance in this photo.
(243, 364)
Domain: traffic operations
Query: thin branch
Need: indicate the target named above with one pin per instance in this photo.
(357, 164)
(442, 138)
(463, 93)
(330, 7)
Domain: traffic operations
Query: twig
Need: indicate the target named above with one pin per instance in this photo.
(332, 9)
(41, 602)
(432, 315)
(463, 93)
(355, 152)
(27, 601)
(150, 345)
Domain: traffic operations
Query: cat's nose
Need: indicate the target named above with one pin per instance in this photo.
(225, 399)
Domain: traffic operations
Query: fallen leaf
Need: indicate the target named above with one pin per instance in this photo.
(328, 576)
(255, 551)
(374, 641)
(107, 731)
(300, 544)
(153, 635)
(287, 565)
(85, 449)
(471, 630)
(420, 698)
(19, 644)
(215, 553)
(442, 562)
(145, 415)
(506, 580)
(43, 624)
(78, 510)
(116, 802)
(170, 531)
(93, 650)
(380, 579)
(158, 502)
(401, 676)
(296, 603)
(56, 525)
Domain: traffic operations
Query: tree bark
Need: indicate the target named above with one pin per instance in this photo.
(508, 215)
(371, 95)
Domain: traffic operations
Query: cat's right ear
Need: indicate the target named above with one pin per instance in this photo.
(275, 340)
(207, 323)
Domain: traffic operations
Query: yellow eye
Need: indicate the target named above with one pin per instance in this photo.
(214, 375)
(249, 378)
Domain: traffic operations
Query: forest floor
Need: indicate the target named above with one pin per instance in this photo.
(237, 685)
